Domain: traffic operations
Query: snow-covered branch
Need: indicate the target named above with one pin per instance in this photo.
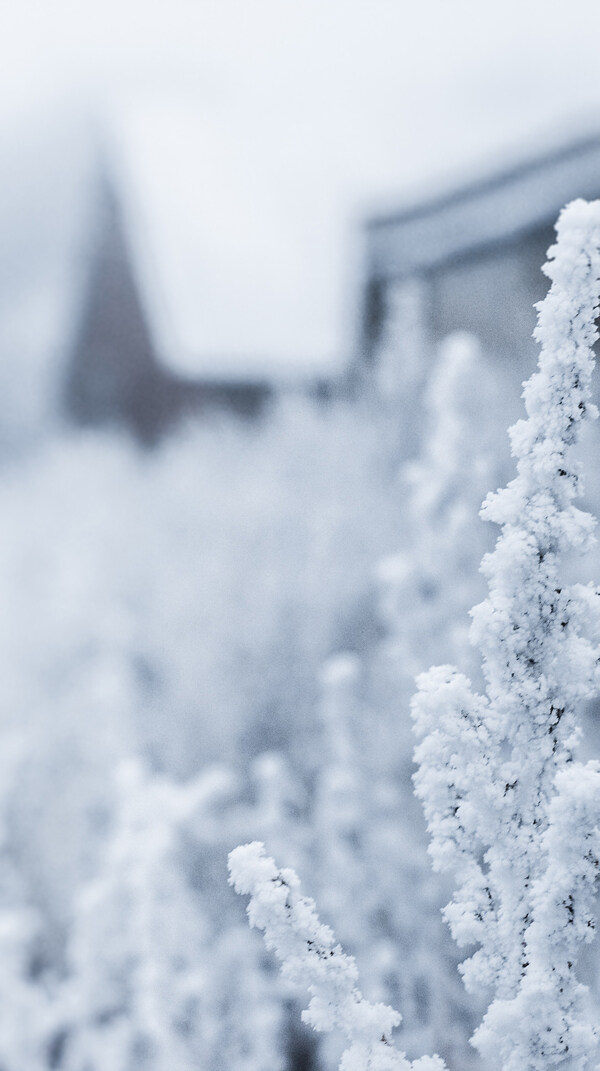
(311, 959)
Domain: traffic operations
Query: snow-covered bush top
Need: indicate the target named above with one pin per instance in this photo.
(497, 778)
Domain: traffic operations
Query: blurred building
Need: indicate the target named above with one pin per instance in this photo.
(146, 274)
(467, 260)
(114, 372)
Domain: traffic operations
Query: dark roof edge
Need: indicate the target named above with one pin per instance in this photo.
(469, 251)
(485, 185)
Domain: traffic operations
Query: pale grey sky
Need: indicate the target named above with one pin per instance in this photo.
(322, 107)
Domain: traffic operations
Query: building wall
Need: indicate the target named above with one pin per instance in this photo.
(492, 293)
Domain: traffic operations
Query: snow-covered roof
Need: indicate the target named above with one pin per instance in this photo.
(224, 260)
(483, 213)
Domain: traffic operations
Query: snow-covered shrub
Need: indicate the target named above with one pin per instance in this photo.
(385, 908)
(428, 587)
(365, 820)
(163, 559)
(157, 975)
(512, 815)
(399, 369)
(175, 605)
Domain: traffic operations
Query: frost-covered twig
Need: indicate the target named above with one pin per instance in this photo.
(311, 959)
(496, 772)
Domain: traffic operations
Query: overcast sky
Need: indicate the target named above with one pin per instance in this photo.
(327, 107)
